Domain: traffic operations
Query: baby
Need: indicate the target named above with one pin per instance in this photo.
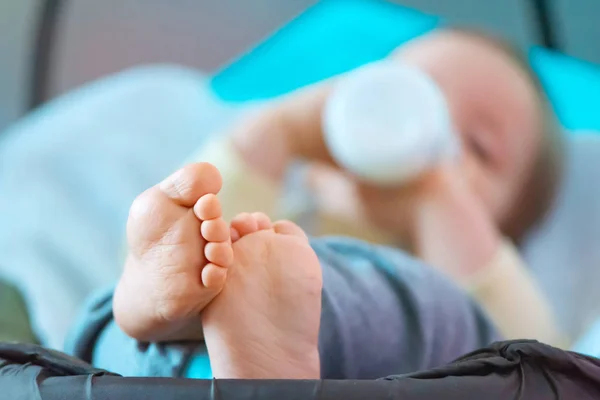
(269, 303)
(473, 219)
(253, 287)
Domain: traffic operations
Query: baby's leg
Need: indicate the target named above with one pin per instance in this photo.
(265, 322)
(179, 251)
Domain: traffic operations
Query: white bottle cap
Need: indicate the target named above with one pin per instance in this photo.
(387, 123)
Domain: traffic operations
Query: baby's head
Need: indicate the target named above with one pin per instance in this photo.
(510, 137)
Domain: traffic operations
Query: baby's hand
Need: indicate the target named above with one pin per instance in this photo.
(179, 251)
(438, 218)
(452, 230)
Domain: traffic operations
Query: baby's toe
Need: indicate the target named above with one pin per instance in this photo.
(262, 220)
(208, 207)
(244, 224)
(215, 230)
(220, 254)
(214, 276)
(235, 235)
(289, 228)
(191, 182)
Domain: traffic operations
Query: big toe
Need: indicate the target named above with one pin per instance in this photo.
(154, 212)
(191, 182)
(285, 227)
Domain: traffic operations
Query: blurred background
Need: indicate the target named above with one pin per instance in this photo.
(51, 46)
(105, 98)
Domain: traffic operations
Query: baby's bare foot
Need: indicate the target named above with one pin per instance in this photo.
(179, 251)
(265, 322)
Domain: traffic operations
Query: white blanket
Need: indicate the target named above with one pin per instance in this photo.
(69, 172)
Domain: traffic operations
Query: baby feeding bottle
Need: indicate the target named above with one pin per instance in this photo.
(387, 123)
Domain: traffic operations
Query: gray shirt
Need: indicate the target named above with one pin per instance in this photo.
(383, 313)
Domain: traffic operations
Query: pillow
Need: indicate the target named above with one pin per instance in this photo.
(573, 87)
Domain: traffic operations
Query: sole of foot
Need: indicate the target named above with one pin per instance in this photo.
(265, 322)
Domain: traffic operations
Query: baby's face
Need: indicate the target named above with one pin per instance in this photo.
(495, 109)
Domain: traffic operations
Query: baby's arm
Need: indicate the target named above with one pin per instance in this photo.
(503, 287)
(255, 155)
(455, 234)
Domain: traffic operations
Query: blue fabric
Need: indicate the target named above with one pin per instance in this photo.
(330, 38)
(199, 366)
(573, 87)
(589, 344)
